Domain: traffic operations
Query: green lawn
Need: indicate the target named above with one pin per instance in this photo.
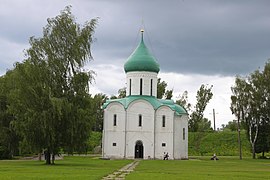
(94, 168)
(69, 168)
(202, 168)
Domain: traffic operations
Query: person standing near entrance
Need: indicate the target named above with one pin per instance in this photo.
(166, 156)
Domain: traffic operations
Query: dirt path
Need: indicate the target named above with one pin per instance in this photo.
(121, 173)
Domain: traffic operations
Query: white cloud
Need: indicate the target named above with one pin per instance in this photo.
(109, 79)
(10, 53)
(192, 82)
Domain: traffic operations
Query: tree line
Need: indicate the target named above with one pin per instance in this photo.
(250, 103)
(45, 103)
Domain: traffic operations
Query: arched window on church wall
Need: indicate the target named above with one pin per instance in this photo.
(151, 87)
(184, 134)
(130, 87)
(114, 119)
(141, 84)
(140, 120)
(163, 121)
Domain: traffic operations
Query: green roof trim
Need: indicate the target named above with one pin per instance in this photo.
(156, 103)
(141, 60)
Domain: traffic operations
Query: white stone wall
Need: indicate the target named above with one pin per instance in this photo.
(114, 134)
(151, 133)
(180, 144)
(164, 134)
(135, 83)
(145, 133)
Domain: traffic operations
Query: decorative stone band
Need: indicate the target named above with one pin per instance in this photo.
(142, 74)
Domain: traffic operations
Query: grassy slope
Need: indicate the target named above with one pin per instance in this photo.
(226, 168)
(221, 143)
(69, 168)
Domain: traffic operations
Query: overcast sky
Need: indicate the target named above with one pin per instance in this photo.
(195, 41)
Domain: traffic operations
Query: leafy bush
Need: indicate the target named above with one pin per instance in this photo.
(4, 153)
(94, 140)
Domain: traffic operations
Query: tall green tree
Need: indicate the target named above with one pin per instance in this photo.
(255, 115)
(263, 144)
(250, 102)
(161, 88)
(122, 93)
(9, 141)
(168, 94)
(261, 108)
(52, 97)
(197, 122)
(263, 140)
(97, 102)
(238, 106)
(243, 106)
(183, 101)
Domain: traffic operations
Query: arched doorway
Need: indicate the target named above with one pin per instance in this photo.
(139, 149)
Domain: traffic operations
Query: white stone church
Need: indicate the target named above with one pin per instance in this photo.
(140, 125)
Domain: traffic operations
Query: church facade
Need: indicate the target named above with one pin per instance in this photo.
(140, 125)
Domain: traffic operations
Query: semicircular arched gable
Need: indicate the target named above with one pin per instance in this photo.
(141, 104)
(115, 106)
(164, 107)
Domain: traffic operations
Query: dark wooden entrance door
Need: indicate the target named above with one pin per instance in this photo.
(139, 150)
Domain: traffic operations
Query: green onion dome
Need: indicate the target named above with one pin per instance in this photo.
(141, 60)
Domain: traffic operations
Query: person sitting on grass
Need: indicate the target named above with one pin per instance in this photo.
(214, 157)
